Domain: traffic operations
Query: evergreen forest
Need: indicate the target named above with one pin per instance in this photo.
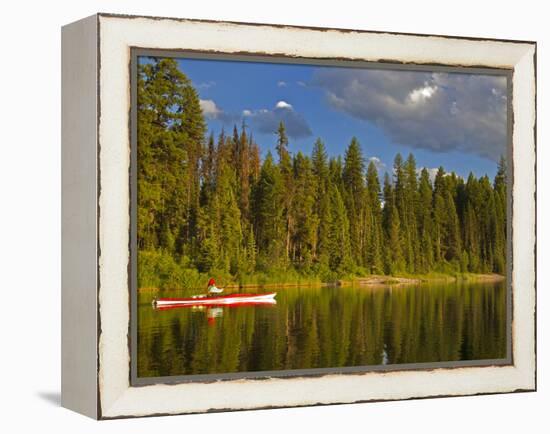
(211, 205)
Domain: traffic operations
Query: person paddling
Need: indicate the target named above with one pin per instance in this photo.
(212, 288)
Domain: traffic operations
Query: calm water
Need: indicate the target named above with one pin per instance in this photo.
(326, 327)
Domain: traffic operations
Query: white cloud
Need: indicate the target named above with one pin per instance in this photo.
(283, 105)
(210, 109)
(440, 112)
(247, 112)
(301, 83)
(422, 93)
(281, 83)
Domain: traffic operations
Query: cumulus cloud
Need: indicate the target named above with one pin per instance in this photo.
(283, 105)
(210, 110)
(440, 112)
(422, 93)
(267, 120)
(281, 83)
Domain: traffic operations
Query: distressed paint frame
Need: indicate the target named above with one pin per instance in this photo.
(135, 53)
(114, 395)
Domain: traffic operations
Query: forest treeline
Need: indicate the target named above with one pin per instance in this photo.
(209, 205)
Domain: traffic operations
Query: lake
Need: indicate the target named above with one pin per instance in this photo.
(325, 327)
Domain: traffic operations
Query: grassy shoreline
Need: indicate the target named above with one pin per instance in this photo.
(367, 281)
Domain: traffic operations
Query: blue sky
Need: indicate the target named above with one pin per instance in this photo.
(454, 120)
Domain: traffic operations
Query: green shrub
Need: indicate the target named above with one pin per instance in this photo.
(160, 270)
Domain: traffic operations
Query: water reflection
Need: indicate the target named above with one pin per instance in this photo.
(326, 327)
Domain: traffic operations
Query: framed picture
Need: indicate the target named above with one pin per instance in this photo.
(261, 216)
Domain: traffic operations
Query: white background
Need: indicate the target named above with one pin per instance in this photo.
(30, 216)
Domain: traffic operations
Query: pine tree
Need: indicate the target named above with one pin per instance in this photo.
(500, 226)
(439, 216)
(235, 145)
(395, 262)
(486, 216)
(425, 222)
(270, 223)
(340, 246)
(452, 243)
(471, 226)
(282, 143)
(499, 234)
(324, 238)
(254, 155)
(320, 166)
(303, 213)
(410, 214)
(374, 259)
(208, 167)
(335, 173)
(285, 165)
(354, 198)
(243, 175)
(171, 132)
(394, 251)
(500, 177)
(321, 203)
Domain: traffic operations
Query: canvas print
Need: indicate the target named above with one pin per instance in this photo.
(294, 217)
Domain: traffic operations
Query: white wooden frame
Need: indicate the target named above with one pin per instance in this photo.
(96, 161)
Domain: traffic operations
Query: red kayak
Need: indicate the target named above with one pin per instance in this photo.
(220, 300)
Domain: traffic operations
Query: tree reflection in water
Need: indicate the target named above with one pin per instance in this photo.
(326, 327)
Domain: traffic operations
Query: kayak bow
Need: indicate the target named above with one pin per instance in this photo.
(230, 299)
